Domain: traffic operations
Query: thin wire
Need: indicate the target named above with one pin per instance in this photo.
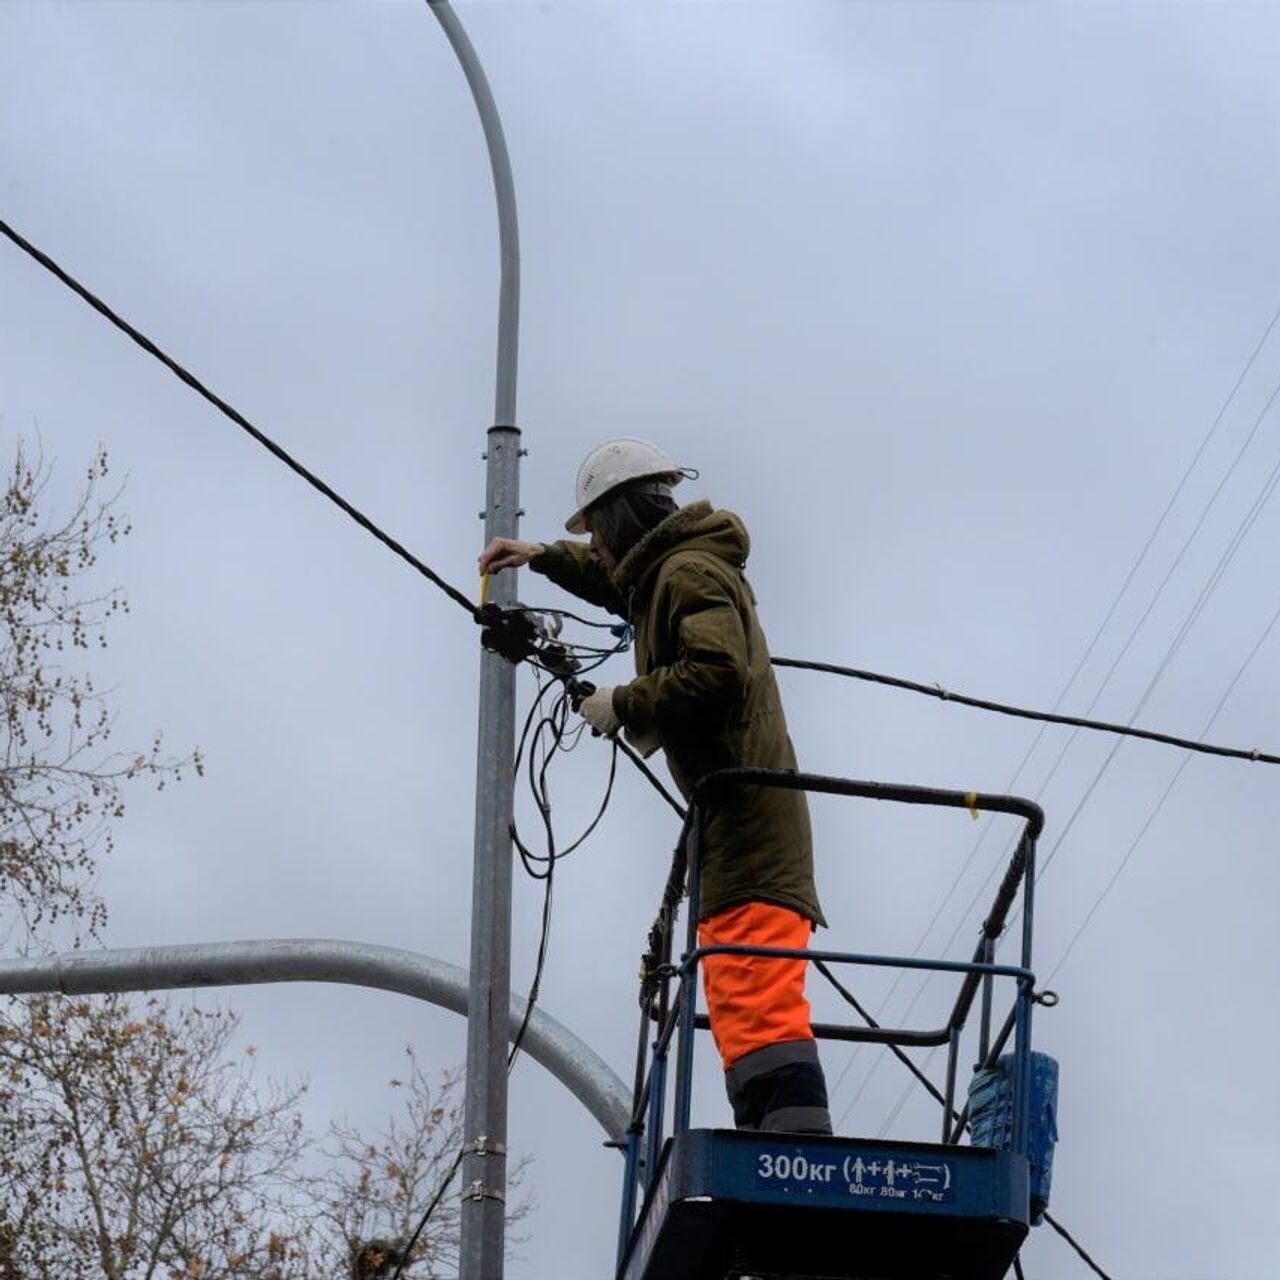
(1206, 593)
(239, 419)
(938, 1096)
(1207, 590)
(1265, 495)
(1160, 803)
(1084, 658)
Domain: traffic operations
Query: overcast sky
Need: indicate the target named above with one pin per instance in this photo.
(942, 298)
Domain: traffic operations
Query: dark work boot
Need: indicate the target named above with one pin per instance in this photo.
(780, 1089)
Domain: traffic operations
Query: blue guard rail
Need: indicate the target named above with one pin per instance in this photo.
(707, 1204)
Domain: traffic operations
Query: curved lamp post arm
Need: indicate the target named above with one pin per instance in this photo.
(508, 229)
(222, 964)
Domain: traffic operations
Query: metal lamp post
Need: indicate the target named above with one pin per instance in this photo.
(484, 1164)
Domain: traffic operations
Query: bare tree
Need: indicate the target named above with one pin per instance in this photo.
(134, 1144)
(371, 1198)
(61, 783)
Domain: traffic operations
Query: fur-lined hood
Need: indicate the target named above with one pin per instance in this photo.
(697, 527)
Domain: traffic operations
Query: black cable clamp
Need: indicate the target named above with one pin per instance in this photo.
(518, 633)
(507, 630)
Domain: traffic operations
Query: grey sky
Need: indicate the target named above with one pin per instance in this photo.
(940, 298)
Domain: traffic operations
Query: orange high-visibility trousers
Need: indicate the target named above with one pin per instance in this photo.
(754, 1001)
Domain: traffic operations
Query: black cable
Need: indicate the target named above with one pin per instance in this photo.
(1097, 636)
(528, 856)
(239, 419)
(654, 781)
(1075, 1244)
(638, 762)
(1160, 803)
(897, 1050)
(938, 1097)
(1024, 713)
(426, 1217)
(543, 942)
(1263, 497)
(535, 987)
(555, 722)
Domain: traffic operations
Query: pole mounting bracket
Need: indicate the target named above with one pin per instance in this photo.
(478, 1191)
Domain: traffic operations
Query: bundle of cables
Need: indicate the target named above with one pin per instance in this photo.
(546, 733)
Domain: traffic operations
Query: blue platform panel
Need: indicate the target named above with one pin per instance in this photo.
(727, 1202)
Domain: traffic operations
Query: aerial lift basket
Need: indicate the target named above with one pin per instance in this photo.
(707, 1204)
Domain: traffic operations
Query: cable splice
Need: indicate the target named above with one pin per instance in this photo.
(238, 418)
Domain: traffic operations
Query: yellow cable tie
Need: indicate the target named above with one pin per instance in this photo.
(971, 799)
(484, 589)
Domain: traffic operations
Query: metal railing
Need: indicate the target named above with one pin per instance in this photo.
(677, 1018)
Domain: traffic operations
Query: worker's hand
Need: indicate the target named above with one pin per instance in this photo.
(643, 741)
(507, 553)
(597, 710)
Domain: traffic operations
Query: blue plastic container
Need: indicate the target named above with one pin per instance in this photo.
(991, 1119)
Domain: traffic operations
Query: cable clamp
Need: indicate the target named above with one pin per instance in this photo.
(507, 630)
(971, 803)
(944, 694)
(1047, 998)
(478, 1191)
(485, 1146)
(1255, 755)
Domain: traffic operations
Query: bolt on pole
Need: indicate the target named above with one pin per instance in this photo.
(484, 1164)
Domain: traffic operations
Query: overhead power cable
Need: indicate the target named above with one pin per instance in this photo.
(1211, 584)
(1025, 713)
(1160, 803)
(1119, 596)
(238, 418)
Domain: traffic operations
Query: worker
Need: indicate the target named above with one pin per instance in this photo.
(705, 693)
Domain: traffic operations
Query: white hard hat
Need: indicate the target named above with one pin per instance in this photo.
(619, 462)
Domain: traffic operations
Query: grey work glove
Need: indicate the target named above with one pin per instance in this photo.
(643, 741)
(597, 710)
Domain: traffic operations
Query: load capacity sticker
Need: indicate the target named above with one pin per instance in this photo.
(883, 1179)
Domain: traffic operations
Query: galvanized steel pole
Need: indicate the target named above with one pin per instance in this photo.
(484, 1166)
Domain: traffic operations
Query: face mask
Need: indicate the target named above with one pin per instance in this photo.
(621, 519)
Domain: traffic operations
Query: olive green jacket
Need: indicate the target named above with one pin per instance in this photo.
(704, 683)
